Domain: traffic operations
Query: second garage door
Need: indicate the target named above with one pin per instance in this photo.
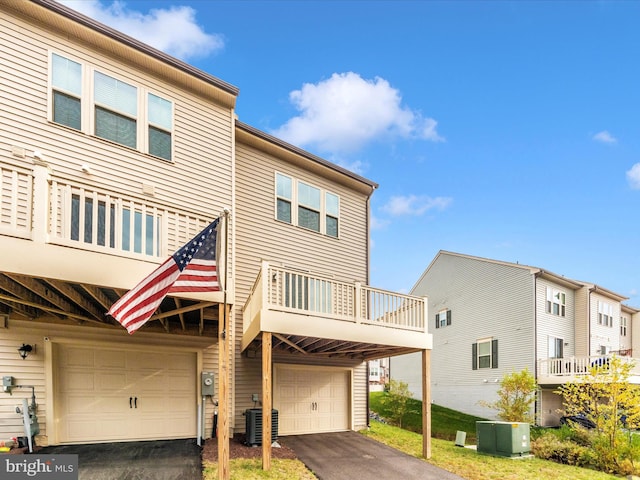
(109, 394)
(311, 399)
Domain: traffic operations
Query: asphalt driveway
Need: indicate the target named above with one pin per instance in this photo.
(155, 460)
(349, 455)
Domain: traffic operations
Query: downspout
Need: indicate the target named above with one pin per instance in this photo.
(368, 282)
(367, 401)
(537, 406)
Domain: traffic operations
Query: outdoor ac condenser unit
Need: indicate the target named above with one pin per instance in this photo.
(253, 424)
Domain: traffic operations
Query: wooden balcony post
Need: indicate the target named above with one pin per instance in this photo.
(41, 176)
(357, 307)
(265, 284)
(266, 400)
(224, 472)
(425, 314)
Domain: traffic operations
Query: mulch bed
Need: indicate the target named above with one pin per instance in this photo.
(237, 449)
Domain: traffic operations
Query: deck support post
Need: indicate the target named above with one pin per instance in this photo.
(426, 403)
(266, 400)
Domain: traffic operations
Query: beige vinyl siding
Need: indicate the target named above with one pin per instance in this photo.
(30, 371)
(34, 370)
(202, 137)
(549, 325)
(259, 236)
(582, 327)
(603, 335)
(487, 300)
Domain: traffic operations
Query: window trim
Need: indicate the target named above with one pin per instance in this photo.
(443, 318)
(624, 326)
(605, 314)
(561, 296)
(493, 355)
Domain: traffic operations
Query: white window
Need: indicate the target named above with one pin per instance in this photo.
(556, 302)
(443, 318)
(117, 110)
(605, 314)
(66, 83)
(307, 206)
(623, 326)
(556, 347)
(485, 353)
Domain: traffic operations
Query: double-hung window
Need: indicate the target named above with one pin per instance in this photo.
(605, 314)
(443, 318)
(556, 302)
(623, 326)
(118, 110)
(307, 206)
(66, 82)
(484, 354)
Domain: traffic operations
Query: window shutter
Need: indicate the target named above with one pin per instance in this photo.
(474, 356)
(494, 353)
(448, 317)
(437, 320)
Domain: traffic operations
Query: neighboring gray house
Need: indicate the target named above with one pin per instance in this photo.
(489, 318)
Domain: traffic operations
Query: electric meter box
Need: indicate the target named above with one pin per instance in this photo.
(207, 384)
(503, 439)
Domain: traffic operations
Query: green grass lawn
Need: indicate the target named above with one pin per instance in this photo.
(444, 421)
(474, 466)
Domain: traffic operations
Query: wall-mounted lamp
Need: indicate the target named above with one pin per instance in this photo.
(85, 168)
(25, 350)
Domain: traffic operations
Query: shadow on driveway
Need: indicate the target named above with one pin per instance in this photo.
(154, 460)
(350, 455)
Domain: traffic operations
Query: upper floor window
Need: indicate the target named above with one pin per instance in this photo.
(605, 314)
(556, 302)
(114, 109)
(66, 83)
(485, 353)
(305, 205)
(623, 326)
(443, 318)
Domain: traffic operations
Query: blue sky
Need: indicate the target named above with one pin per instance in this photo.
(507, 129)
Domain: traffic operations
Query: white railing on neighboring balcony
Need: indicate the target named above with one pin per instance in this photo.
(290, 290)
(37, 205)
(578, 366)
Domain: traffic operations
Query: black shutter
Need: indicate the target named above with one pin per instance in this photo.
(494, 353)
(437, 320)
(474, 356)
(448, 317)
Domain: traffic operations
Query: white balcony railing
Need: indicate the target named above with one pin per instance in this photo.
(36, 205)
(578, 366)
(288, 290)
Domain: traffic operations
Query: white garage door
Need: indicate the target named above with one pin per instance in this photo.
(107, 394)
(311, 399)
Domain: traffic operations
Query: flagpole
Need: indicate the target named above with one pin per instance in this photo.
(223, 370)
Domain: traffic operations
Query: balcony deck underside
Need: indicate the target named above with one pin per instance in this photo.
(311, 334)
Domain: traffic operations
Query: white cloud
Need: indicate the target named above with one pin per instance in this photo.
(378, 223)
(605, 137)
(173, 29)
(415, 205)
(633, 176)
(346, 111)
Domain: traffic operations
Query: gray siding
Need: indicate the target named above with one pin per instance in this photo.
(549, 325)
(487, 300)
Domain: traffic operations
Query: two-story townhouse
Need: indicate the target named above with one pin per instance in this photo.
(112, 156)
(490, 318)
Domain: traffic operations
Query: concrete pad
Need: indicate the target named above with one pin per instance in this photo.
(349, 455)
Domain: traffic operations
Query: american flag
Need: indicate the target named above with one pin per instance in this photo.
(190, 269)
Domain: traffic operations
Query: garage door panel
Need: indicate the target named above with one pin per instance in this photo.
(109, 395)
(311, 399)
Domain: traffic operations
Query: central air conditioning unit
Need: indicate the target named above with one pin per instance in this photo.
(253, 424)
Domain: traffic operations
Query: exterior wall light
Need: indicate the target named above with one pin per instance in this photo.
(25, 350)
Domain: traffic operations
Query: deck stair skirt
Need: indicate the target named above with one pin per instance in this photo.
(253, 419)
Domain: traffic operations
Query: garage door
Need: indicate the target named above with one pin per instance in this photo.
(311, 399)
(107, 394)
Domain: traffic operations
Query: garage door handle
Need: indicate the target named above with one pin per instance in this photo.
(135, 402)
(130, 400)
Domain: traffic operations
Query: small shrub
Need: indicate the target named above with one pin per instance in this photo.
(550, 447)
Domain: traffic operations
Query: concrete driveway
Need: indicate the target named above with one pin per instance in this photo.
(349, 455)
(155, 460)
